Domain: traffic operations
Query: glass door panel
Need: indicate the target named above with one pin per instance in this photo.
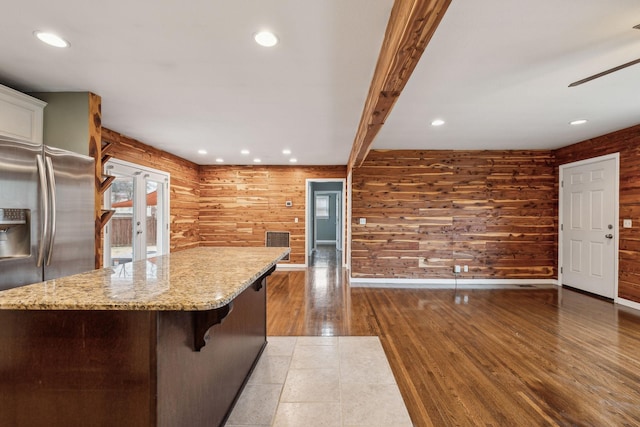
(121, 225)
(154, 217)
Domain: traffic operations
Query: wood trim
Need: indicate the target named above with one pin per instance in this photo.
(105, 184)
(105, 216)
(95, 151)
(411, 25)
(107, 146)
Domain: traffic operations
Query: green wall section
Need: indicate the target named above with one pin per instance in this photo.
(66, 120)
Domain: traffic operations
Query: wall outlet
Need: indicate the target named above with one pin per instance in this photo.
(456, 269)
(626, 223)
(363, 221)
(465, 268)
(288, 203)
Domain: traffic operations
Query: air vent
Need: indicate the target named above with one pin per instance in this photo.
(278, 239)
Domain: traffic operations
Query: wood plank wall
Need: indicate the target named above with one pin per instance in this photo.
(238, 204)
(184, 189)
(425, 211)
(627, 143)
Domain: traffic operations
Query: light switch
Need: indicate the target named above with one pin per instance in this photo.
(626, 223)
(295, 220)
(363, 221)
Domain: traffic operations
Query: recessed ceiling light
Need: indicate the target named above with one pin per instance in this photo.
(437, 122)
(266, 38)
(51, 39)
(286, 151)
(202, 151)
(293, 160)
(578, 122)
(219, 160)
(256, 160)
(245, 152)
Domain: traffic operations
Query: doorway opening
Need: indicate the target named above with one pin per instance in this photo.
(139, 229)
(325, 228)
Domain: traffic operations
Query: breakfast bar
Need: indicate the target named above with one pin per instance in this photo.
(165, 341)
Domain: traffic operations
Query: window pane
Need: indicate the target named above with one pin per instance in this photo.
(322, 206)
(121, 222)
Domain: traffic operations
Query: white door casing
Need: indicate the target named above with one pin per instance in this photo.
(589, 225)
(310, 216)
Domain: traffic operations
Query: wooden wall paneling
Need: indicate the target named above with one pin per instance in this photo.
(239, 204)
(184, 186)
(480, 208)
(627, 143)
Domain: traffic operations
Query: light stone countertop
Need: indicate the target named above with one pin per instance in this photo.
(194, 279)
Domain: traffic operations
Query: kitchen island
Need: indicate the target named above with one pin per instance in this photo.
(167, 341)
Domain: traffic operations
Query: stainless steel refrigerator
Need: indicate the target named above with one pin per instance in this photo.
(46, 213)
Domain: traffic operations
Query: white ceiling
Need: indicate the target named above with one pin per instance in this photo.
(498, 73)
(186, 75)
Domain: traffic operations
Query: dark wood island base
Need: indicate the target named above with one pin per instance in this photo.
(128, 367)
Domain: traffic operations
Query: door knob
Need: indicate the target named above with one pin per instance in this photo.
(609, 236)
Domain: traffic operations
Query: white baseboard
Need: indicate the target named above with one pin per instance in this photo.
(627, 303)
(282, 267)
(357, 282)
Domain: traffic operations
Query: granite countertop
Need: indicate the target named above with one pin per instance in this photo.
(194, 279)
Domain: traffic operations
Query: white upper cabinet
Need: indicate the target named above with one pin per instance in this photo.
(20, 115)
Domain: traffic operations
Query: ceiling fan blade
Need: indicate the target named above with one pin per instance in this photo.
(604, 73)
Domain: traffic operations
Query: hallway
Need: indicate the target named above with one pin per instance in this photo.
(325, 256)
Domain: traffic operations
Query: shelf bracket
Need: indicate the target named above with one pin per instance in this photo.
(106, 183)
(205, 320)
(258, 284)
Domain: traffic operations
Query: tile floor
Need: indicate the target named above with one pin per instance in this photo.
(321, 381)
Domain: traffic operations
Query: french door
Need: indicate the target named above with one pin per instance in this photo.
(139, 229)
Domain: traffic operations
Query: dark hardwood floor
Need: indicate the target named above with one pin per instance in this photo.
(504, 357)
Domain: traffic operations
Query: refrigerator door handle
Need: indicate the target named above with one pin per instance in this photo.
(44, 198)
(52, 198)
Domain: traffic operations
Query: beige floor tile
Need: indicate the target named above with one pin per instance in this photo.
(328, 381)
(359, 344)
(257, 405)
(311, 385)
(367, 369)
(317, 341)
(315, 357)
(373, 404)
(308, 415)
(280, 346)
(270, 370)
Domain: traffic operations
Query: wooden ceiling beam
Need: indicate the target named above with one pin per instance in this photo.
(411, 25)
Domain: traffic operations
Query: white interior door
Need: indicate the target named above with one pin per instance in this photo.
(589, 225)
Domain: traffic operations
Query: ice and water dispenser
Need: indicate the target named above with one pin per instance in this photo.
(15, 237)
